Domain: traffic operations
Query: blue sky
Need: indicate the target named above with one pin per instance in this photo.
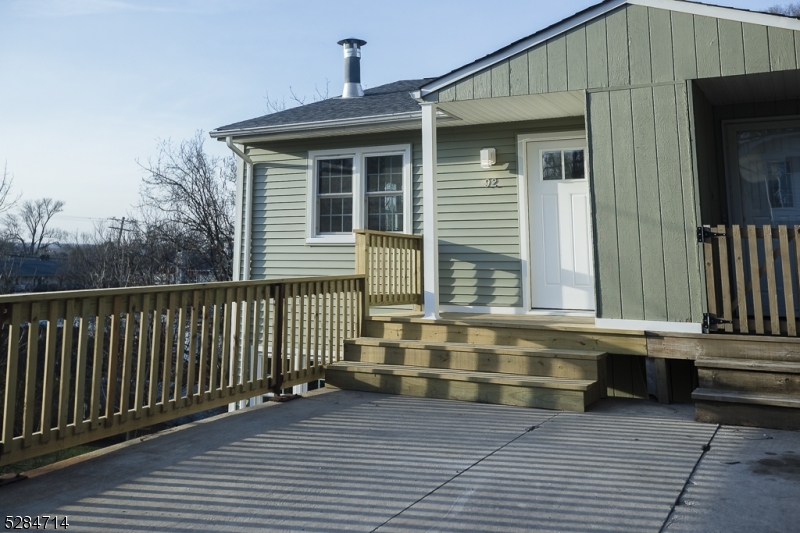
(89, 86)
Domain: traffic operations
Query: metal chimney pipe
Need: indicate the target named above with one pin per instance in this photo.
(352, 67)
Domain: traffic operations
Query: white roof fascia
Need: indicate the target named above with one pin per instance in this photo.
(729, 13)
(533, 40)
(722, 12)
(324, 124)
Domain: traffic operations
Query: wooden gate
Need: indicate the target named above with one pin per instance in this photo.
(752, 278)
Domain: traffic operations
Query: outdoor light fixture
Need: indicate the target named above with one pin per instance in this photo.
(488, 157)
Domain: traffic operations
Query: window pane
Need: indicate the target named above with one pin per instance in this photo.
(779, 184)
(769, 172)
(551, 165)
(335, 176)
(385, 173)
(573, 165)
(335, 215)
(385, 213)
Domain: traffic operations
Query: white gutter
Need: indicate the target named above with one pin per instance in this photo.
(248, 207)
(323, 124)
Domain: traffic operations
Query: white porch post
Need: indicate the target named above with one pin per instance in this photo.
(430, 240)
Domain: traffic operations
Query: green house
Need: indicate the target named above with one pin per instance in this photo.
(635, 166)
(648, 98)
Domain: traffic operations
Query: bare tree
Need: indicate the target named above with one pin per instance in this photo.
(276, 106)
(790, 10)
(192, 196)
(31, 226)
(6, 200)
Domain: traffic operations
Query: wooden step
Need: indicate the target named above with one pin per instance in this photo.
(574, 364)
(741, 408)
(484, 387)
(500, 333)
(770, 377)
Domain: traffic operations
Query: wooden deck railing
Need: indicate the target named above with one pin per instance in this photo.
(84, 365)
(752, 278)
(392, 264)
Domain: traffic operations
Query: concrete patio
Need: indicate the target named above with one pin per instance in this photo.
(349, 461)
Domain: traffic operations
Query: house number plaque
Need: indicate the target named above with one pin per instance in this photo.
(490, 182)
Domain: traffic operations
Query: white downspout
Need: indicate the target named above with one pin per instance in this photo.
(242, 272)
(248, 207)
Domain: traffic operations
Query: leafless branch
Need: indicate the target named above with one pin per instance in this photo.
(275, 106)
(297, 98)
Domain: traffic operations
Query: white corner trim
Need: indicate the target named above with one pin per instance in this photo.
(722, 12)
(648, 325)
(430, 234)
(358, 155)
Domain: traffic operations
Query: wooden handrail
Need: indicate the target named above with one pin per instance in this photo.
(85, 365)
(392, 265)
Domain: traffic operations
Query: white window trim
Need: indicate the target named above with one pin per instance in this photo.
(359, 199)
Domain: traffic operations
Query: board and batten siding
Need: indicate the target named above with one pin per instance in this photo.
(645, 204)
(634, 45)
(634, 63)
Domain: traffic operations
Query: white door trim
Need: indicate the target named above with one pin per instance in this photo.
(524, 207)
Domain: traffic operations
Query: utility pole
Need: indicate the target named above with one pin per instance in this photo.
(120, 228)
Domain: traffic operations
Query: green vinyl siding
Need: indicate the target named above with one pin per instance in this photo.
(279, 248)
(648, 266)
(635, 45)
(479, 237)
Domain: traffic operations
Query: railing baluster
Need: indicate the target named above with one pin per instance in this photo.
(741, 287)
(29, 404)
(724, 277)
(166, 370)
(192, 363)
(755, 279)
(309, 302)
(202, 365)
(97, 362)
(155, 354)
(214, 357)
(796, 235)
(134, 305)
(772, 291)
(12, 366)
(66, 368)
(141, 356)
(229, 367)
(48, 383)
(80, 366)
(180, 345)
(786, 271)
(246, 343)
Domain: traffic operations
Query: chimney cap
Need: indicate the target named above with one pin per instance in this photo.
(352, 40)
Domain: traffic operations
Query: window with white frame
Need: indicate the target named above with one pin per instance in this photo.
(358, 188)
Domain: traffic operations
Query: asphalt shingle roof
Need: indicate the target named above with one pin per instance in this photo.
(388, 99)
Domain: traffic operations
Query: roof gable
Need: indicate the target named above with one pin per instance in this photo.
(474, 77)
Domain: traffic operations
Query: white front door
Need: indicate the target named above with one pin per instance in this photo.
(562, 272)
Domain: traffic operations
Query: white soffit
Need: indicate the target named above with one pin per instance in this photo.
(514, 108)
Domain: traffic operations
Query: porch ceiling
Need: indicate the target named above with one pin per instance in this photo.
(515, 108)
(747, 88)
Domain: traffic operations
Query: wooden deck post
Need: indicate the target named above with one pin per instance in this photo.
(429, 217)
